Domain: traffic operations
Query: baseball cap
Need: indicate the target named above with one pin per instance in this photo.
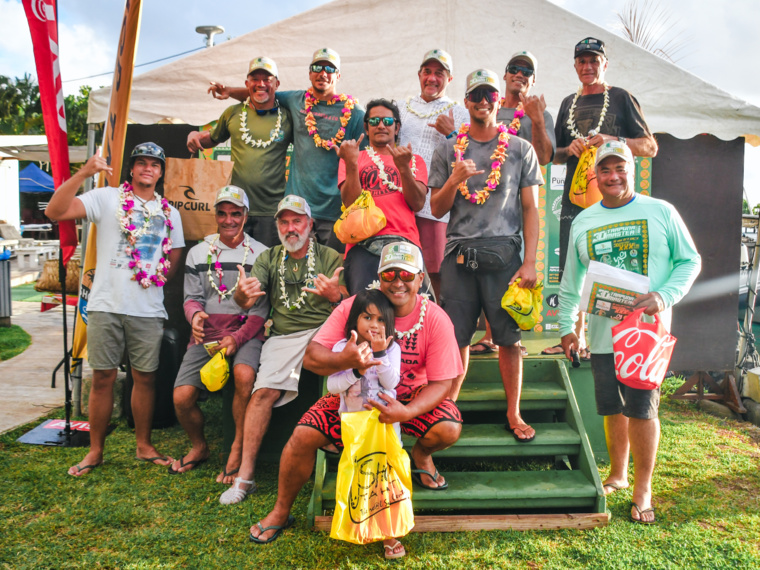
(402, 255)
(326, 54)
(614, 148)
(233, 195)
(150, 149)
(525, 56)
(592, 45)
(294, 204)
(442, 57)
(481, 78)
(263, 63)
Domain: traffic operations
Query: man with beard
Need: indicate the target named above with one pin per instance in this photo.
(211, 278)
(294, 278)
(489, 182)
(427, 120)
(259, 131)
(322, 120)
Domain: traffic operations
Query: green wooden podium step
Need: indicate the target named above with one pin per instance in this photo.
(479, 396)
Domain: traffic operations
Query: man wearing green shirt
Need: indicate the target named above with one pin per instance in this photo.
(646, 236)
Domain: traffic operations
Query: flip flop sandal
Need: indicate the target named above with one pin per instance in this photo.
(485, 348)
(553, 350)
(389, 551)
(91, 468)
(278, 531)
(225, 474)
(417, 477)
(615, 487)
(522, 430)
(235, 494)
(154, 459)
(585, 354)
(194, 465)
(641, 512)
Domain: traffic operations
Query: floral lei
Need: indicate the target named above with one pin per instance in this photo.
(311, 123)
(132, 233)
(498, 157)
(381, 168)
(247, 138)
(431, 113)
(418, 326)
(223, 291)
(571, 115)
(309, 281)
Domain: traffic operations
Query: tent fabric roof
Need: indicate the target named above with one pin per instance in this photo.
(383, 60)
(32, 179)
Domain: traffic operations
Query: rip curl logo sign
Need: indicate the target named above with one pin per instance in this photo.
(374, 487)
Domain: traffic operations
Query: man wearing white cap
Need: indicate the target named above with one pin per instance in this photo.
(646, 236)
(489, 182)
(211, 278)
(301, 281)
(322, 120)
(259, 131)
(427, 120)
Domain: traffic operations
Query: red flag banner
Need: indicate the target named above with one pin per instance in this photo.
(43, 26)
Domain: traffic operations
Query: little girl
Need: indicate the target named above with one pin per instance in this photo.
(373, 320)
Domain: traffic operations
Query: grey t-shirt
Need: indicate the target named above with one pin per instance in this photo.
(506, 114)
(501, 214)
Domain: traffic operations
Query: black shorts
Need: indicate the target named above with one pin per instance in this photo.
(613, 397)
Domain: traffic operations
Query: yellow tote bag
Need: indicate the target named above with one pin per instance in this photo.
(584, 191)
(360, 221)
(373, 498)
(524, 305)
(216, 372)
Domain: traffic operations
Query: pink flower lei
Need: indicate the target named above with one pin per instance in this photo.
(132, 233)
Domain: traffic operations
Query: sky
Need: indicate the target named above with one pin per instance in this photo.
(720, 40)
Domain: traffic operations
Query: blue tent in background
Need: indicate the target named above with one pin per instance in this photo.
(32, 179)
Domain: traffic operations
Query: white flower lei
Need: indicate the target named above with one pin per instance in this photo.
(310, 265)
(571, 115)
(418, 326)
(381, 168)
(222, 289)
(247, 138)
(430, 114)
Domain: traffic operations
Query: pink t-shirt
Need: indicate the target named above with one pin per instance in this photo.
(399, 216)
(431, 354)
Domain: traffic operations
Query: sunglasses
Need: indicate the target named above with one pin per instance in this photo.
(390, 275)
(526, 71)
(477, 95)
(272, 111)
(318, 68)
(387, 121)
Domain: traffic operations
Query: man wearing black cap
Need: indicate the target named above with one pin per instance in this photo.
(139, 244)
(595, 114)
(259, 131)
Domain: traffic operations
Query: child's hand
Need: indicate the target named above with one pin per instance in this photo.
(379, 342)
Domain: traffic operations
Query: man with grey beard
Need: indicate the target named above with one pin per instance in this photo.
(303, 282)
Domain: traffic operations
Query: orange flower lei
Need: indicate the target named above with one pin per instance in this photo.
(311, 123)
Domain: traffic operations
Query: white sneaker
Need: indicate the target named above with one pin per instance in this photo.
(236, 493)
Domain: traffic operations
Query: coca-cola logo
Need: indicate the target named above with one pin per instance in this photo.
(642, 354)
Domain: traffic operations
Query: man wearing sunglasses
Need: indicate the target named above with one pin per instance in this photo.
(398, 189)
(259, 132)
(488, 181)
(596, 114)
(426, 337)
(318, 116)
(427, 120)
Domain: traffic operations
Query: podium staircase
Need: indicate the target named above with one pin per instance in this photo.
(494, 481)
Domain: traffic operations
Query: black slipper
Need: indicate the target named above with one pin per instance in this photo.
(484, 348)
(417, 477)
(521, 429)
(553, 350)
(278, 531)
(641, 512)
(195, 464)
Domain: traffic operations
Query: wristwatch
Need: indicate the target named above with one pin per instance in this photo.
(338, 302)
(622, 140)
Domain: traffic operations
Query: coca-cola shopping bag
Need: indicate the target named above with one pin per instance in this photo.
(642, 351)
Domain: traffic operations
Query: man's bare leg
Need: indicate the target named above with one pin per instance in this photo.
(244, 380)
(441, 436)
(510, 367)
(616, 430)
(456, 385)
(143, 402)
(258, 413)
(296, 465)
(100, 409)
(644, 436)
(191, 419)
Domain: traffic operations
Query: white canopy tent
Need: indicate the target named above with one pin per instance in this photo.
(381, 44)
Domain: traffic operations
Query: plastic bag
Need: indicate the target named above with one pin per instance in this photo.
(584, 190)
(216, 372)
(642, 351)
(373, 498)
(524, 305)
(360, 221)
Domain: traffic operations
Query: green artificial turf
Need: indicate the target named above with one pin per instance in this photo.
(13, 341)
(27, 293)
(134, 515)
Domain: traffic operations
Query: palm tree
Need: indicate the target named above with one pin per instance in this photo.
(650, 25)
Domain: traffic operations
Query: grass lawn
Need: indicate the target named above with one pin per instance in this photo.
(13, 341)
(134, 515)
